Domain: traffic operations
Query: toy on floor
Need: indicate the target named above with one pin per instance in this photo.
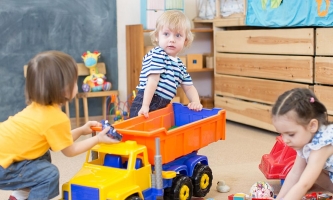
(222, 187)
(278, 163)
(121, 112)
(317, 196)
(261, 189)
(243, 196)
(95, 81)
(239, 196)
(152, 162)
(111, 133)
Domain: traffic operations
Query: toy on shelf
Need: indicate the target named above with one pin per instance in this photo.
(152, 161)
(222, 187)
(111, 133)
(278, 163)
(95, 81)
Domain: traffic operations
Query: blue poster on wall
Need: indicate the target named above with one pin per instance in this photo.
(289, 13)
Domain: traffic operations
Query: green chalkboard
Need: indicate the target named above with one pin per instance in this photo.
(74, 26)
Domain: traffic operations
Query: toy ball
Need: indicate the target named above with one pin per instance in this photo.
(261, 189)
(86, 88)
(107, 86)
(222, 187)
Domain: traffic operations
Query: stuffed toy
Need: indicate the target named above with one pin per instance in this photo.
(95, 81)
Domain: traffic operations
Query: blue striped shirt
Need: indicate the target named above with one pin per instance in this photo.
(172, 73)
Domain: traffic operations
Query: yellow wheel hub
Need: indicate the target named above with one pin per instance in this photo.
(184, 192)
(204, 181)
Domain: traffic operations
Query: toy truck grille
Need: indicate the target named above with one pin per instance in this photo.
(79, 192)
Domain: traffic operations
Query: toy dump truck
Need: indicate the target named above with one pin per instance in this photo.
(158, 158)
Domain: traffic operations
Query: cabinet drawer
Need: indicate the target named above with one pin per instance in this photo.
(324, 40)
(290, 68)
(244, 112)
(273, 41)
(325, 95)
(324, 70)
(260, 90)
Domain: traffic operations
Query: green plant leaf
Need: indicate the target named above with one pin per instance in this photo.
(275, 3)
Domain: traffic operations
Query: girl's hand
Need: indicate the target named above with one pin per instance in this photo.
(144, 111)
(104, 138)
(85, 129)
(195, 106)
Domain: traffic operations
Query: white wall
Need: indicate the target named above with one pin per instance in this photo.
(128, 12)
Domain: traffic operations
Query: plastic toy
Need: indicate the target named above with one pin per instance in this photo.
(95, 81)
(134, 168)
(222, 187)
(261, 189)
(278, 163)
(111, 133)
(238, 196)
(317, 196)
(243, 196)
(121, 112)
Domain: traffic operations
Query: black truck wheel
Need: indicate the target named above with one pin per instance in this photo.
(181, 189)
(202, 180)
(133, 198)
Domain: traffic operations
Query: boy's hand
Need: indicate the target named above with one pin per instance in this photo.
(144, 111)
(195, 106)
(86, 129)
(104, 138)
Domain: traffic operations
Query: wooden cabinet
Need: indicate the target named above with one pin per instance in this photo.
(254, 66)
(136, 46)
(323, 70)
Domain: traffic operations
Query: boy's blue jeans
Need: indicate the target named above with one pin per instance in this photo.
(156, 103)
(39, 175)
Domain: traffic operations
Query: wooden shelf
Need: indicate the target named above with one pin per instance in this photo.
(201, 70)
(195, 30)
(198, 20)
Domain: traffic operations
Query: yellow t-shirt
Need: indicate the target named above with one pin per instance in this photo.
(30, 133)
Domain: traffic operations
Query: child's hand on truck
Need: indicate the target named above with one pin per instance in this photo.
(104, 138)
(103, 133)
(197, 106)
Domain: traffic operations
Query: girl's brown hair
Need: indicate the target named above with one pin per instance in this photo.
(305, 104)
(51, 76)
(174, 20)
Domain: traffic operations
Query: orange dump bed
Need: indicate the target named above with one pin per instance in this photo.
(193, 131)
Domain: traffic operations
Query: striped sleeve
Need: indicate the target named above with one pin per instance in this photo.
(153, 63)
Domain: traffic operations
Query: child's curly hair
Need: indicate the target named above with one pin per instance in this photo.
(174, 20)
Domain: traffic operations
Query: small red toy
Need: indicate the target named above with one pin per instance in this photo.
(278, 163)
(317, 196)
